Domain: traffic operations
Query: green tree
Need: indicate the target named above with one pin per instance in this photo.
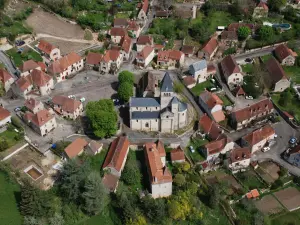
(125, 91)
(285, 98)
(103, 117)
(101, 37)
(30, 200)
(131, 174)
(243, 32)
(178, 87)
(30, 220)
(265, 33)
(95, 195)
(72, 179)
(126, 76)
(179, 179)
(57, 219)
(155, 209)
(214, 197)
(2, 4)
(3, 144)
(276, 5)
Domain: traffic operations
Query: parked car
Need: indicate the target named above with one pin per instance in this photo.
(19, 42)
(213, 89)
(265, 149)
(293, 141)
(82, 99)
(192, 149)
(248, 60)
(72, 96)
(249, 97)
(17, 109)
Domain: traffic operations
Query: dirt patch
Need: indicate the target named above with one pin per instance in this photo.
(289, 197)
(46, 23)
(67, 46)
(15, 7)
(271, 168)
(268, 205)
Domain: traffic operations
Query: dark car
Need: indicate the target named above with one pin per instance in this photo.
(20, 42)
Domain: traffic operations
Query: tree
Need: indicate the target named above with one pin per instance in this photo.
(103, 117)
(179, 179)
(30, 220)
(101, 37)
(178, 87)
(125, 91)
(277, 184)
(154, 209)
(72, 179)
(265, 33)
(3, 144)
(243, 32)
(131, 174)
(276, 5)
(180, 207)
(29, 200)
(214, 197)
(126, 76)
(285, 98)
(95, 195)
(57, 219)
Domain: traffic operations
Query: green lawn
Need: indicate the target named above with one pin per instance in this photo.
(9, 193)
(225, 99)
(18, 58)
(98, 160)
(293, 72)
(197, 144)
(122, 15)
(11, 137)
(219, 19)
(290, 107)
(290, 218)
(107, 217)
(247, 68)
(250, 180)
(199, 88)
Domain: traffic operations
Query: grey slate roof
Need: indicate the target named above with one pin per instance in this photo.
(200, 65)
(144, 115)
(182, 106)
(175, 100)
(144, 102)
(167, 84)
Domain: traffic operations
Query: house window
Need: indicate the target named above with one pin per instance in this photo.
(146, 124)
(137, 120)
(146, 107)
(137, 108)
(167, 117)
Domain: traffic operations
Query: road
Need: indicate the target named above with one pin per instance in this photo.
(6, 61)
(257, 53)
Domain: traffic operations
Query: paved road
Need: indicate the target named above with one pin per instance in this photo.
(257, 53)
(6, 61)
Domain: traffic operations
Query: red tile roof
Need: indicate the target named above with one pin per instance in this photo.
(73, 149)
(259, 135)
(133, 25)
(110, 181)
(210, 127)
(239, 91)
(144, 39)
(28, 65)
(169, 54)
(252, 194)
(23, 83)
(126, 43)
(236, 26)
(63, 63)
(187, 49)
(39, 78)
(46, 47)
(210, 99)
(117, 153)
(275, 70)
(211, 69)
(31, 103)
(120, 22)
(40, 118)
(255, 109)
(239, 154)
(177, 154)
(93, 58)
(66, 104)
(210, 46)
(4, 76)
(145, 52)
(161, 149)
(158, 173)
(229, 66)
(188, 80)
(4, 113)
(145, 6)
(42, 65)
(111, 55)
(282, 51)
(217, 146)
(229, 35)
(118, 31)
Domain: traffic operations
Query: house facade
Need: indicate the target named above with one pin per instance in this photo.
(111, 61)
(5, 116)
(145, 56)
(209, 49)
(33, 105)
(278, 79)
(67, 107)
(199, 71)
(27, 67)
(117, 33)
(170, 58)
(239, 159)
(285, 55)
(261, 10)
(6, 79)
(177, 155)
(231, 71)
(143, 41)
(93, 60)
(126, 47)
(50, 51)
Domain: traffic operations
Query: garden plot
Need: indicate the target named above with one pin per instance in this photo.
(268, 205)
(289, 197)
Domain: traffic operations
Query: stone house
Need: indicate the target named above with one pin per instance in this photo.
(142, 41)
(278, 79)
(111, 60)
(42, 122)
(130, 25)
(177, 155)
(199, 71)
(27, 67)
(189, 81)
(33, 105)
(117, 33)
(261, 10)
(50, 51)
(258, 138)
(210, 128)
(6, 79)
(209, 49)
(145, 56)
(285, 55)
(159, 175)
(93, 60)
(66, 66)
(239, 159)
(232, 72)
(75, 149)
(188, 50)
(126, 47)
(142, 15)
(229, 37)
(241, 118)
(170, 58)
(94, 148)
(5, 116)
(67, 107)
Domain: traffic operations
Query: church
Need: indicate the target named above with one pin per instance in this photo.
(165, 113)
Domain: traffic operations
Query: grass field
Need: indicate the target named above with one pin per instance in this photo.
(10, 137)
(250, 180)
(98, 160)
(18, 58)
(9, 192)
(199, 88)
(293, 72)
(197, 144)
(247, 68)
(225, 99)
(290, 107)
(290, 218)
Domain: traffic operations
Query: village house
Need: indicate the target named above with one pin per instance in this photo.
(5, 116)
(212, 150)
(188, 50)
(93, 60)
(75, 149)
(114, 162)
(177, 155)
(261, 10)
(240, 118)
(27, 67)
(117, 33)
(159, 175)
(65, 66)
(229, 37)
(43, 122)
(170, 58)
(239, 159)
(33, 105)
(162, 14)
(211, 70)
(278, 79)
(189, 81)
(48, 50)
(131, 26)
(258, 138)
(165, 114)
(199, 71)
(285, 55)
(94, 148)
(126, 47)
(37, 82)
(235, 26)
(111, 61)
(6, 79)
(231, 72)
(212, 105)
(67, 107)
(238, 91)
(210, 128)
(209, 49)
(142, 41)
(144, 7)
(145, 56)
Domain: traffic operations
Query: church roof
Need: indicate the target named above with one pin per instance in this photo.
(175, 100)
(167, 84)
(144, 102)
(182, 106)
(145, 115)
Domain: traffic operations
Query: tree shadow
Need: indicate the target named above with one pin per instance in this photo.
(114, 86)
(17, 195)
(124, 114)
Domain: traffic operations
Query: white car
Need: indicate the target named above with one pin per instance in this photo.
(72, 96)
(265, 149)
(249, 97)
(192, 149)
(82, 99)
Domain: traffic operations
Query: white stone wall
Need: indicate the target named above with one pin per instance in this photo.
(5, 121)
(55, 54)
(149, 58)
(145, 124)
(182, 118)
(281, 85)
(288, 61)
(261, 144)
(116, 39)
(200, 75)
(228, 147)
(45, 90)
(47, 127)
(142, 15)
(240, 164)
(161, 190)
(235, 79)
(75, 114)
(167, 125)
(70, 70)
(142, 109)
(39, 107)
(8, 84)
